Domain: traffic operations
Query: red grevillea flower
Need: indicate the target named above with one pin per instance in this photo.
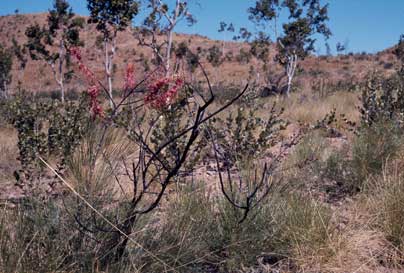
(95, 107)
(129, 78)
(162, 92)
(93, 89)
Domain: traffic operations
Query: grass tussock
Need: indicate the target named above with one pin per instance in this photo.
(195, 232)
(369, 152)
(9, 153)
(308, 108)
(386, 199)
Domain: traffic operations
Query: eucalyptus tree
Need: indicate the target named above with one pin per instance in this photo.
(111, 17)
(157, 29)
(52, 41)
(223, 28)
(296, 39)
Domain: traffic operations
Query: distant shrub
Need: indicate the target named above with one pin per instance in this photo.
(224, 93)
(388, 65)
(383, 99)
(371, 149)
(71, 95)
(363, 56)
(244, 56)
(45, 127)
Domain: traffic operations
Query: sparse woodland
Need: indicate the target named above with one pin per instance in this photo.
(132, 148)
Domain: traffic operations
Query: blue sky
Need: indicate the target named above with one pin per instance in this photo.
(365, 25)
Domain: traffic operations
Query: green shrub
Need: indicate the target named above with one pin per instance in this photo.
(383, 99)
(371, 148)
(309, 149)
(45, 128)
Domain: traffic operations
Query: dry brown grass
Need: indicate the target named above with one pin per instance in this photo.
(303, 107)
(8, 154)
(359, 247)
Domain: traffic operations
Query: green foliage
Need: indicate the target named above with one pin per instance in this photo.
(260, 47)
(202, 232)
(112, 15)
(309, 149)
(305, 19)
(62, 27)
(40, 236)
(6, 64)
(182, 52)
(214, 56)
(52, 42)
(245, 136)
(46, 127)
(161, 18)
(243, 57)
(170, 122)
(371, 149)
(383, 99)
(19, 52)
(36, 47)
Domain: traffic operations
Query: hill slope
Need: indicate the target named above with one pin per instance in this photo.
(316, 71)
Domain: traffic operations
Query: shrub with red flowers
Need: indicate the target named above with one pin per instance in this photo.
(163, 91)
(164, 146)
(93, 90)
(129, 78)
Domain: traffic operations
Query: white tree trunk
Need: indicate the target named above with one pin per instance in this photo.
(109, 56)
(173, 23)
(290, 71)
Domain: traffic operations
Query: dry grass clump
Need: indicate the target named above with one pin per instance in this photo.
(9, 154)
(307, 108)
(367, 154)
(200, 233)
(386, 200)
(193, 232)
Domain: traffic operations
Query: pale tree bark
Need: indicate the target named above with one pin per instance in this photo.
(162, 50)
(59, 80)
(290, 71)
(173, 23)
(58, 73)
(110, 50)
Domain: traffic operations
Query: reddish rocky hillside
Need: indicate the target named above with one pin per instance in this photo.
(314, 71)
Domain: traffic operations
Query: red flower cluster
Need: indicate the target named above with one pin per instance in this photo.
(129, 78)
(93, 90)
(163, 91)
